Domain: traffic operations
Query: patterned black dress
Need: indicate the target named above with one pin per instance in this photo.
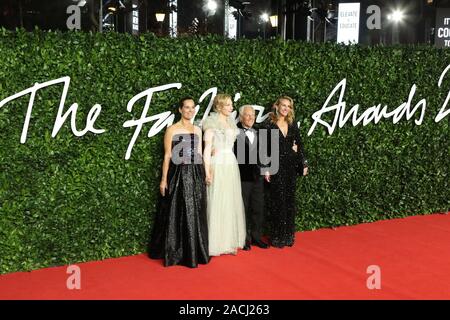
(282, 187)
(180, 230)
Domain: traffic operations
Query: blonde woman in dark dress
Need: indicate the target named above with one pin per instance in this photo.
(283, 184)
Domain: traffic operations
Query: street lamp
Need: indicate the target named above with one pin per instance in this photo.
(210, 7)
(396, 17)
(274, 21)
(264, 18)
(160, 18)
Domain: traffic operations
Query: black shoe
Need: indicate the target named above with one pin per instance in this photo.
(247, 246)
(260, 244)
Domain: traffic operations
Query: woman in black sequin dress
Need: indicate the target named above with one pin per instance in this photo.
(283, 184)
(180, 231)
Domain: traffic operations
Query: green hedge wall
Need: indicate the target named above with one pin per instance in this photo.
(70, 199)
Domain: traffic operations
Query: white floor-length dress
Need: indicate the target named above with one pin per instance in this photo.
(225, 207)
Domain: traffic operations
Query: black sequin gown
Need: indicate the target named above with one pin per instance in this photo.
(281, 190)
(180, 232)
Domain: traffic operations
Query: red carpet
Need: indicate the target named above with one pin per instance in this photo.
(413, 254)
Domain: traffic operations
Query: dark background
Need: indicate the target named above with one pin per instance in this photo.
(418, 26)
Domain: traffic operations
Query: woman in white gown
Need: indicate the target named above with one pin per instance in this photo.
(225, 207)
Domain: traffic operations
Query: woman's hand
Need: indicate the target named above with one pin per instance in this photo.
(305, 171)
(163, 187)
(294, 147)
(208, 179)
(267, 176)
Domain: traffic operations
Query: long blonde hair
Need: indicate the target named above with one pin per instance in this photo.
(290, 117)
(219, 100)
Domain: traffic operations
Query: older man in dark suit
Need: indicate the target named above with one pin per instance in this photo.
(252, 182)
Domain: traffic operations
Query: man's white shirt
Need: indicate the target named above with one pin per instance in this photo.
(250, 135)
